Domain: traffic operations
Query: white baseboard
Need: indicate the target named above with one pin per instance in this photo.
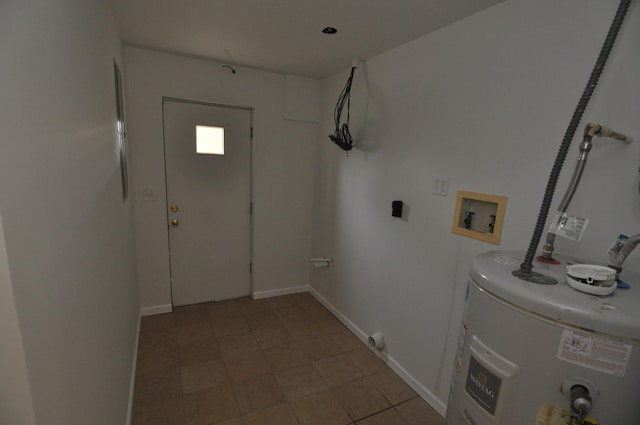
(278, 292)
(422, 391)
(132, 384)
(156, 309)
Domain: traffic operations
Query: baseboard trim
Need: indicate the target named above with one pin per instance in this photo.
(278, 292)
(156, 309)
(422, 391)
(132, 384)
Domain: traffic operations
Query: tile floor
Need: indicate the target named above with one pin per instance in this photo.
(277, 361)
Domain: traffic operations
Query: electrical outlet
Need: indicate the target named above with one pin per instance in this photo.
(441, 186)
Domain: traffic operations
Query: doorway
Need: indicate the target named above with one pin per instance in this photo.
(208, 180)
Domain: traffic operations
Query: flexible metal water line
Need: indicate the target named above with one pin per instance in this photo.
(590, 131)
(525, 271)
(620, 250)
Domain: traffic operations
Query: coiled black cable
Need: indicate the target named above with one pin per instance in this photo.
(525, 268)
(342, 136)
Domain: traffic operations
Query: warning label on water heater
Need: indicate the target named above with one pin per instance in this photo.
(568, 226)
(598, 353)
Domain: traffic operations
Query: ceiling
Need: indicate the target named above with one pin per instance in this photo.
(285, 35)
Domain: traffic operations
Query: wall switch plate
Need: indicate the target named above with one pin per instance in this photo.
(441, 186)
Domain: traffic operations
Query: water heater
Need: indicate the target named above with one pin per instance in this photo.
(531, 354)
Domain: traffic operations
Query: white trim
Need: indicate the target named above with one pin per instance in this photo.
(422, 391)
(133, 373)
(278, 292)
(156, 309)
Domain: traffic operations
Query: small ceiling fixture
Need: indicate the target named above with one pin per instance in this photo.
(329, 30)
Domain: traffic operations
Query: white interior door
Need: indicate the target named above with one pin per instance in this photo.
(208, 200)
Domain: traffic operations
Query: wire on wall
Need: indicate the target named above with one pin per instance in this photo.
(342, 136)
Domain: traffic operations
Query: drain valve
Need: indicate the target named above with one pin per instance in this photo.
(580, 403)
(582, 394)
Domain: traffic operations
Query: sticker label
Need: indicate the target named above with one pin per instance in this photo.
(460, 351)
(594, 352)
(568, 226)
(549, 414)
(483, 386)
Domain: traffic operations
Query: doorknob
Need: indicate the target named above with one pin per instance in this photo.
(175, 222)
(174, 208)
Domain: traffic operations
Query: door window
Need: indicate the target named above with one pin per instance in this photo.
(209, 140)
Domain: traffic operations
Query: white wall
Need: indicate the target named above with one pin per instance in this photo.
(68, 235)
(484, 102)
(16, 403)
(282, 164)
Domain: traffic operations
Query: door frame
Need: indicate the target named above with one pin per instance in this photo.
(251, 180)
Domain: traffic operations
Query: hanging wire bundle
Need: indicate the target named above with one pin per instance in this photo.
(342, 136)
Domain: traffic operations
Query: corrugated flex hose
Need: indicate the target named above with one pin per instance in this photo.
(525, 272)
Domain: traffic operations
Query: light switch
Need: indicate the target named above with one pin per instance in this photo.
(441, 186)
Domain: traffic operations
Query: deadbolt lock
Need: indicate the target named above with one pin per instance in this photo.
(174, 208)
(175, 222)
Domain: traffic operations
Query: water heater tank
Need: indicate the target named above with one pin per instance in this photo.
(527, 353)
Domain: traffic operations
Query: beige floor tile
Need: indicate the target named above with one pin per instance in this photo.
(154, 360)
(157, 338)
(329, 324)
(157, 386)
(299, 381)
(224, 309)
(229, 326)
(387, 417)
(246, 365)
(199, 351)
(194, 314)
(194, 332)
(360, 399)
(292, 314)
(367, 361)
(165, 412)
(321, 408)
(157, 321)
(200, 376)
(319, 348)
(262, 319)
(285, 356)
(281, 414)
(237, 343)
(322, 370)
(258, 393)
(282, 302)
(234, 421)
(346, 340)
(250, 307)
(392, 387)
(210, 406)
(304, 329)
(417, 412)
(272, 335)
(337, 370)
